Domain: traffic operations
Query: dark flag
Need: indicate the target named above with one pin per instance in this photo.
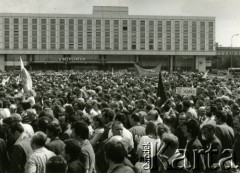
(160, 91)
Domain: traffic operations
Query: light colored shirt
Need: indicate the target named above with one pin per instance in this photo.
(148, 143)
(36, 162)
(127, 136)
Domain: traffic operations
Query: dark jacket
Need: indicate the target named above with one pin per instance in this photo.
(21, 150)
(4, 160)
(226, 135)
(192, 149)
(56, 146)
(75, 167)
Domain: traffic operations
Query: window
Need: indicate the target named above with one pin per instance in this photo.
(80, 21)
(62, 21)
(98, 22)
(53, 46)
(168, 47)
(134, 22)
(43, 21)
(134, 47)
(44, 27)
(34, 46)
(53, 21)
(124, 28)
(71, 21)
(150, 47)
(15, 21)
(34, 21)
(6, 20)
(107, 22)
(25, 46)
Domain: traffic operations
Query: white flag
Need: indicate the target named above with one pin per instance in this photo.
(26, 78)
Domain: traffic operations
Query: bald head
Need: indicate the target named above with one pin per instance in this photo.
(152, 115)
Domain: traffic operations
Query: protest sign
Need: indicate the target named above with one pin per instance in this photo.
(185, 91)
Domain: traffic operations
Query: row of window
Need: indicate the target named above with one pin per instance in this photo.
(107, 22)
(108, 46)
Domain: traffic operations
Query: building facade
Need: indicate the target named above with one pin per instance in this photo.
(107, 38)
(226, 57)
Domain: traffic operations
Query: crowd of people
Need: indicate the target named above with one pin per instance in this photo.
(105, 122)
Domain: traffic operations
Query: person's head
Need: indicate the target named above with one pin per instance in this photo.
(161, 129)
(208, 131)
(199, 103)
(15, 131)
(122, 118)
(53, 130)
(191, 128)
(182, 118)
(107, 115)
(80, 130)
(56, 164)
(63, 121)
(43, 124)
(236, 123)
(221, 117)
(151, 129)
(211, 110)
(117, 128)
(186, 105)
(135, 119)
(152, 115)
(72, 150)
(115, 152)
(170, 146)
(202, 111)
(97, 122)
(218, 103)
(38, 140)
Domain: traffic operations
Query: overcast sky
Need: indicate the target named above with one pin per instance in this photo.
(227, 12)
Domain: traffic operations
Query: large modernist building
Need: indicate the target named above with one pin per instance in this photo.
(109, 37)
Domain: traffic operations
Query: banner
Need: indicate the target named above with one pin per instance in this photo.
(26, 78)
(185, 91)
(148, 72)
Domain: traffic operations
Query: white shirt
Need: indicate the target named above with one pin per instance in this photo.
(127, 136)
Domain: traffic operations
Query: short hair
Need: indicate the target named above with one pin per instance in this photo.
(122, 118)
(209, 127)
(193, 127)
(81, 129)
(98, 119)
(187, 103)
(54, 128)
(73, 148)
(108, 113)
(39, 139)
(151, 129)
(116, 123)
(222, 115)
(56, 164)
(136, 117)
(43, 124)
(115, 151)
(170, 140)
(16, 127)
(162, 128)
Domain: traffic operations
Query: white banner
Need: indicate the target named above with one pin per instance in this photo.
(185, 91)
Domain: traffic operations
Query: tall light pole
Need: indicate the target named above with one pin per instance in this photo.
(231, 47)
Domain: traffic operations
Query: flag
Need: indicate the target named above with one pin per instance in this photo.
(160, 91)
(4, 81)
(26, 78)
(205, 75)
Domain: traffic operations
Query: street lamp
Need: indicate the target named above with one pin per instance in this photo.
(231, 47)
